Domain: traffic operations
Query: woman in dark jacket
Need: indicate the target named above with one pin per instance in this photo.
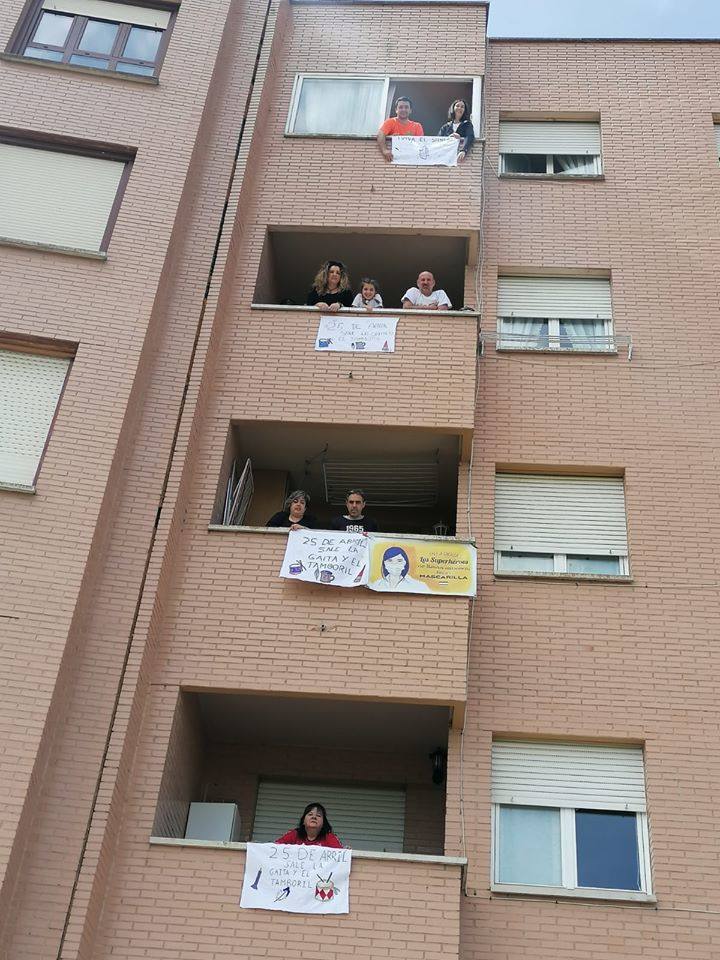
(460, 126)
(331, 288)
(293, 515)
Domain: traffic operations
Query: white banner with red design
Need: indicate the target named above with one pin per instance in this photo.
(296, 879)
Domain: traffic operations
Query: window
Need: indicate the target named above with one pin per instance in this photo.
(554, 313)
(560, 525)
(30, 388)
(347, 105)
(717, 139)
(570, 818)
(549, 147)
(118, 37)
(59, 196)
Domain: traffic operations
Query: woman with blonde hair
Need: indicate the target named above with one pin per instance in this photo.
(331, 287)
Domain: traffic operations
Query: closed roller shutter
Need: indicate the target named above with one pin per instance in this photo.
(591, 776)
(547, 514)
(58, 198)
(30, 388)
(548, 136)
(363, 817)
(570, 298)
(120, 12)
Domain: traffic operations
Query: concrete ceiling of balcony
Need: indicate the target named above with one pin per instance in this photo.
(315, 722)
(291, 259)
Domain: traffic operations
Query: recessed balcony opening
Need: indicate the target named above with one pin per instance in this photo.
(291, 258)
(409, 476)
(431, 100)
(243, 767)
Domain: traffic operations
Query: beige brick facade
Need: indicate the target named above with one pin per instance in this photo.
(126, 607)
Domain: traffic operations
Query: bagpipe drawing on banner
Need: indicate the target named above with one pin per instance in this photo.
(425, 151)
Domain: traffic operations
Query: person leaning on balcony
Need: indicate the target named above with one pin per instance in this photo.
(313, 830)
(424, 296)
(460, 126)
(354, 521)
(398, 126)
(331, 287)
(294, 514)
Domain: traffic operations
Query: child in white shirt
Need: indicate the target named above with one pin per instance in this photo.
(369, 296)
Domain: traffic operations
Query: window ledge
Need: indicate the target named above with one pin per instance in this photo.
(565, 177)
(223, 528)
(568, 351)
(584, 577)
(53, 248)
(357, 854)
(18, 487)
(631, 896)
(76, 68)
(355, 311)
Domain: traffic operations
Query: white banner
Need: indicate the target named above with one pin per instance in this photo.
(326, 556)
(296, 878)
(363, 333)
(425, 151)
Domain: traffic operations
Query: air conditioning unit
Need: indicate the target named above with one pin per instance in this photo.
(213, 821)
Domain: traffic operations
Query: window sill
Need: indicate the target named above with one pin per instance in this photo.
(567, 351)
(356, 311)
(76, 68)
(555, 893)
(53, 248)
(564, 177)
(17, 487)
(357, 854)
(223, 528)
(582, 577)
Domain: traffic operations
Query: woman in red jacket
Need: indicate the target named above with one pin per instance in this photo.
(313, 830)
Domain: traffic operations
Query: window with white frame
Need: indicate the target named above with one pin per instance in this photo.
(546, 524)
(30, 388)
(550, 147)
(570, 818)
(717, 139)
(354, 105)
(555, 313)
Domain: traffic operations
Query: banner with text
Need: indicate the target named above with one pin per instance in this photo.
(359, 334)
(296, 879)
(326, 556)
(439, 567)
(425, 151)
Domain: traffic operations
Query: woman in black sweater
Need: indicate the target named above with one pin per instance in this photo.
(331, 287)
(460, 126)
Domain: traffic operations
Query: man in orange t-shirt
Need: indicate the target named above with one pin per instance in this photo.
(399, 126)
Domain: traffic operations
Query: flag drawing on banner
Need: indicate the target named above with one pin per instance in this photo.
(359, 334)
(326, 556)
(425, 151)
(440, 567)
(296, 878)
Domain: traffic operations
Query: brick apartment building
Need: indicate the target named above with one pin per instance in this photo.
(171, 176)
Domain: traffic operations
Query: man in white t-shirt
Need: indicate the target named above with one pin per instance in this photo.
(424, 296)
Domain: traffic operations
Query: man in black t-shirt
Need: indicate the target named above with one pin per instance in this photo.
(354, 520)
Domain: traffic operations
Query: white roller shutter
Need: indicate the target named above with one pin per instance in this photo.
(120, 12)
(550, 136)
(717, 138)
(580, 775)
(363, 817)
(568, 298)
(30, 388)
(47, 196)
(548, 514)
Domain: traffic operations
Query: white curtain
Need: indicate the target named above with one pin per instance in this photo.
(577, 165)
(529, 848)
(524, 333)
(339, 106)
(581, 334)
